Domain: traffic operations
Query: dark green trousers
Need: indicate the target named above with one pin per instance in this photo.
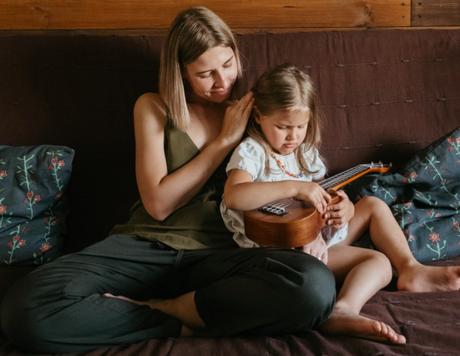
(60, 307)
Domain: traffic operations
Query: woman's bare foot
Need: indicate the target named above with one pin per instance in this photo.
(344, 322)
(151, 303)
(421, 278)
(165, 305)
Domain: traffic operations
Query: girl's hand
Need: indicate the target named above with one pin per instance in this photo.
(338, 215)
(313, 193)
(317, 248)
(235, 120)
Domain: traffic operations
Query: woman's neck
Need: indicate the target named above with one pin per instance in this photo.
(206, 123)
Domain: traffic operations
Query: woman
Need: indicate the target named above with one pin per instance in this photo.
(175, 252)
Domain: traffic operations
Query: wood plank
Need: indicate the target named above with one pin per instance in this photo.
(436, 13)
(137, 32)
(126, 14)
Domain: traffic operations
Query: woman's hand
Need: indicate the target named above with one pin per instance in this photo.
(338, 215)
(235, 120)
(313, 193)
(317, 248)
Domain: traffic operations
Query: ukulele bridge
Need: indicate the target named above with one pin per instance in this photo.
(275, 209)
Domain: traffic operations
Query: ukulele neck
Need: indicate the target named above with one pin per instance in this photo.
(341, 179)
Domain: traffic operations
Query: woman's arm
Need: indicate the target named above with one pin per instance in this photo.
(161, 193)
(241, 193)
(338, 215)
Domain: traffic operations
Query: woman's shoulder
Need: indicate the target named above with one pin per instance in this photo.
(151, 100)
(150, 105)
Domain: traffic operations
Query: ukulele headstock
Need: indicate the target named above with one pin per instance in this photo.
(378, 167)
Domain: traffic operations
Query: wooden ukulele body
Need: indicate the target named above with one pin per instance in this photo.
(297, 228)
(301, 223)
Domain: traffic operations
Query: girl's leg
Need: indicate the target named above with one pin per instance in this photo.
(363, 272)
(374, 215)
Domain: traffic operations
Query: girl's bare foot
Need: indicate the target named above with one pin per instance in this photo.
(344, 322)
(420, 278)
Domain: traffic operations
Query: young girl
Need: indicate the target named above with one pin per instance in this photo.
(279, 160)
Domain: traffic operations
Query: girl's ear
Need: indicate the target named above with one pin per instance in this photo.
(256, 114)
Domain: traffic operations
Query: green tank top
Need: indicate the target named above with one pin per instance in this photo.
(196, 225)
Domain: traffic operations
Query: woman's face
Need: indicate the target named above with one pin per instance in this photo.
(212, 75)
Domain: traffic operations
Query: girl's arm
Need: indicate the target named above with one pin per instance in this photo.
(161, 193)
(241, 193)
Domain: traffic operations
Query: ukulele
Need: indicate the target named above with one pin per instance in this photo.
(293, 223)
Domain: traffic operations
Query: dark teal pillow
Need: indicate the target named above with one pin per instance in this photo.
(33, 206)
(424, 197)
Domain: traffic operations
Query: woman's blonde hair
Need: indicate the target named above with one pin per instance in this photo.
(285, 88)
(192, 33)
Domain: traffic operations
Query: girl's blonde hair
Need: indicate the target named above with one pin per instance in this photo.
(286, 88)
(192, 33)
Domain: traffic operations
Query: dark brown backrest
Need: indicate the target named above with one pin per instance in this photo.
(385, 95)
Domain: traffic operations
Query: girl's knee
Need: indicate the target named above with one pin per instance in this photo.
(372, 204)
(382, 263)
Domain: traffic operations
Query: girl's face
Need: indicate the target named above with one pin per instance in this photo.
(212, 75)
(284, 130)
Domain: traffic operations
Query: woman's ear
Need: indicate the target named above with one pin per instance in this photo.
(183, 72)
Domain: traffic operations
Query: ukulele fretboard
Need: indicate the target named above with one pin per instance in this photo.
(338, 179)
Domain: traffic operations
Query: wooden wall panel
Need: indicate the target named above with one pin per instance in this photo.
(239, 14)
(435, 13)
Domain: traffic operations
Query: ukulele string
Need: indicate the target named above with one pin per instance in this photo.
(278, 209)
(342, 177)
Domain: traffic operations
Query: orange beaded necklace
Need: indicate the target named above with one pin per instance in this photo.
(281, 165)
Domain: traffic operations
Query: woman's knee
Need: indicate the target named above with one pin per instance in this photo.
(21, 317)
(310, 300)
(16, 320)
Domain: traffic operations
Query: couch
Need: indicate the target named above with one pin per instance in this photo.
(385, 94)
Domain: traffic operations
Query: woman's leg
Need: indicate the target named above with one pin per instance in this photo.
(252, 291)
(374, 215)
(60, 307)
(363, 272)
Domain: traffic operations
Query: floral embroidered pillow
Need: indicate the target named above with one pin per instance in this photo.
(33, 207)
(424, 197)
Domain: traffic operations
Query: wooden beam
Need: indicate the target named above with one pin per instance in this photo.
(158, 14)
(436, 13)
